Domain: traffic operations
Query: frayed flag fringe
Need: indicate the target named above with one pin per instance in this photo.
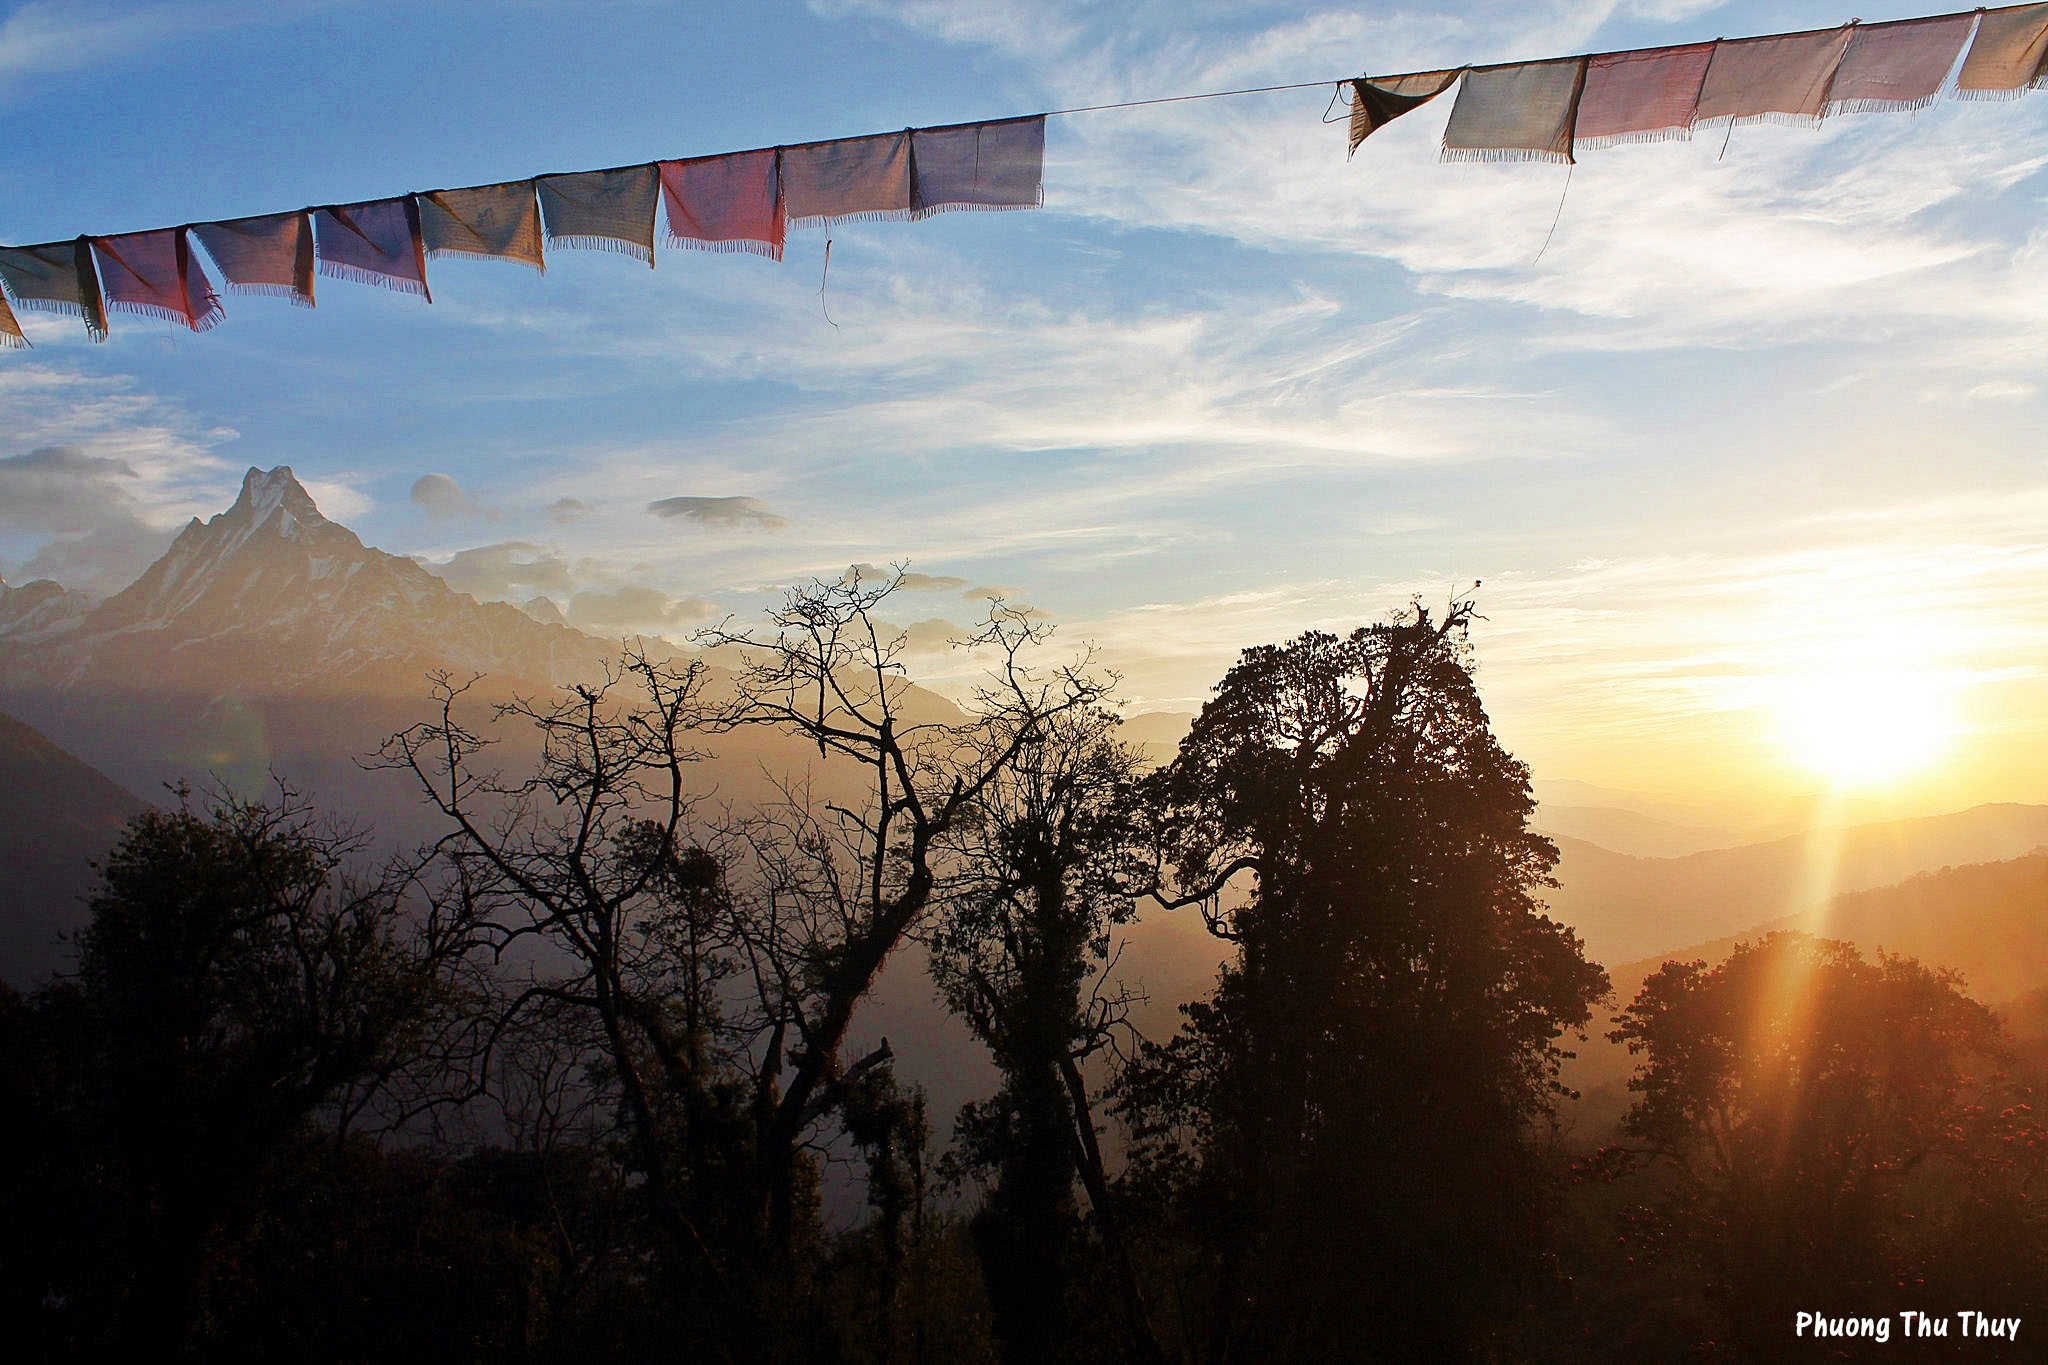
(1675, 133)
(918, 215)
(1747, 120)
(1874, 105)
(435, 253)
(726, 246)
(355, 274)
(582, 242)
(205, 322)
(1998, 95)
(149, 310)
(863, 216)
(1504, 155)
(274, 291)
(96, 330)
(63, 306)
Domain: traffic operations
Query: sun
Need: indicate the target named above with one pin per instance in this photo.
(1866, 727)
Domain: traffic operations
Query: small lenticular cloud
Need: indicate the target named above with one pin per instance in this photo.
(441, 496)
(745, 513)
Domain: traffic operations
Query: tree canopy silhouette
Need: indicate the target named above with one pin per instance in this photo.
(234, 979)
(1350, 1122)
(1809, 1102)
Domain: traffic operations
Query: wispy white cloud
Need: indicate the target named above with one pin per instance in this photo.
(53, 37)
(1646, 650)
(169, 452)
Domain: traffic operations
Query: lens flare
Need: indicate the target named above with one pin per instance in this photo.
(1866, 727)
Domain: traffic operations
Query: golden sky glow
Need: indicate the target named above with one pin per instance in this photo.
(1865, 727)
(1742, 435)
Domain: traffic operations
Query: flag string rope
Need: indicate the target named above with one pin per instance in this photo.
(882, 176)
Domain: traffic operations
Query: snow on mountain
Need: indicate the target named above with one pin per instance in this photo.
(39, 611)
(270, 596)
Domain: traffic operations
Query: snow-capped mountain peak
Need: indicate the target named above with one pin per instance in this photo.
(270, 595)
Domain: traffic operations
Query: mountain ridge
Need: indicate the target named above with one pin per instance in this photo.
(1628, 908)
(271, 596)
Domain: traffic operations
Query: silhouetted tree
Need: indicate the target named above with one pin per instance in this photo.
(586, 866)
(852, 882)
(1046, 866)
(1808, 1101)
(1349, 1124)
(725, 977)
(233, 979)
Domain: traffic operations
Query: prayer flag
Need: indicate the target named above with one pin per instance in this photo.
(1643, 96)
(725, 203)
(154, 273)
(2009, 56)
(1780, 79)
(374, 243)
(855, 178)
(501, 221)
(997, 165)
(1516, 113)
(1898, 66)
(272, 254)
(56, 277)
(1377, 101)
(603, 210)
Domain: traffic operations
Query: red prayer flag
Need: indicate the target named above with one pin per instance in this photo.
(154, 273)
(725, 203)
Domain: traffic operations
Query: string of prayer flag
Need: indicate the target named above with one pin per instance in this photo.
(154, 273)
(1646, 96)
(272, 254)
(855, 179)
(373, 243)
(978, 166)
(1516, 113)
(56, 277)
(2010, 55)
(725, 203)
(603, 210)
(499, 222)
(1545, 110)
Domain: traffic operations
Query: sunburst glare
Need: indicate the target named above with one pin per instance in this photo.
(1866, 726)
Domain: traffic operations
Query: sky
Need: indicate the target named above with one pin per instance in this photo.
(1745, 456)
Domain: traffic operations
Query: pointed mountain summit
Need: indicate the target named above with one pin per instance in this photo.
(39, 610)
(272, 598)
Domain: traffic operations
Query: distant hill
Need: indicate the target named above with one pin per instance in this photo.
(1631, 832)
(56, 816)
(1628, 908)
(1987, 921)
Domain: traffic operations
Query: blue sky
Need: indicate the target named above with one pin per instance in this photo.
(1753, 424)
